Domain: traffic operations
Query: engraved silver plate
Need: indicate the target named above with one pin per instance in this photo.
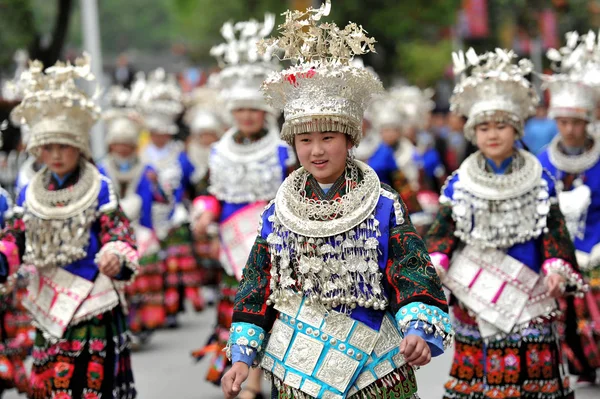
(338, 325)
(337, 370)
(528, 277)
(389, 338)
(304, 354)
(267, 363)
(365, 379)
(399, 360)
(331, 395)
(310, 315)
(382, 369)
(63, 308)
(364, 338)
(311, 388)
(45, 298)
(462, 269)
(280, 339)
(293, 380)
(291, 306)
(511, 300)
(279, 371)
(487, 286)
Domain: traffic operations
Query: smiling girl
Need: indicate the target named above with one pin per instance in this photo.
(337, 275)
(77, 244)
(500, 243)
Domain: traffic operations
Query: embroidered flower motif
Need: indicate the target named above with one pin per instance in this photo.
(97, 345)
(95, 375)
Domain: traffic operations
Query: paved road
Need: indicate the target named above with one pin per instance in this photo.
(165, 370)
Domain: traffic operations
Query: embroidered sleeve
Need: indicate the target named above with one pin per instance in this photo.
(440, 237)
(559, 252)
(410, 276)
(246, 339)
(116, 236)
(429, 319)
(401, 184)
(254, 290)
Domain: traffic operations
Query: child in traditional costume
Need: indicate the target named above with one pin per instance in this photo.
(246, 167)
(338, 297)
(137, 186)
(160, 106)
(76, 243)
(501, 243)
(573, 160)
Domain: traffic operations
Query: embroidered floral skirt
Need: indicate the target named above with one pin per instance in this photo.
(218, 340)
(15, 342)
(526, 364)
(581, 327)
(397, 385)
(183, 277)
(146, 296)
(91, 361)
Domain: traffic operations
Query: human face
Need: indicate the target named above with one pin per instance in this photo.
(249, 121)
(61, 159)
(390, 135)
(572, 131)
(495, 140)
(323, 154)
(207, 138)
(160, 139)
(122, 150)
(410, 132)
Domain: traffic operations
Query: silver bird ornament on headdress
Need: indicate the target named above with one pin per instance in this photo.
(322, 91)
(492, 86)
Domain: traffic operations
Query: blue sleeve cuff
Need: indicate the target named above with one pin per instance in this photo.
(427, 319)
(244, 354)
(435, 342)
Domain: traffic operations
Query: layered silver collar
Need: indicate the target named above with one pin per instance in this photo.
(58, 223)
(499, 211)
(573, 163)
(326, 218)
(246, 173)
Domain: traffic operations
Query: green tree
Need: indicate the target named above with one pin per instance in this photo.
(198, 22)
(19, 29)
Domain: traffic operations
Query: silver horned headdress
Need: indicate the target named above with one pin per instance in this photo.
(323, 91)
(244, 69)
(123, 123)
(574, 87)
(491, 87)
(54, 108)
(158, 99)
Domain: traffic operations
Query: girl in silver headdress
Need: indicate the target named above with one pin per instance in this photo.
(246, 167)
(338, 297)
(138, 190)
(70, 231)
(160, 105)
(573, 159)
(500, 243)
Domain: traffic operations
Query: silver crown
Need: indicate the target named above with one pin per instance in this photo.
(123, 123)
(244, 69)
(54, 108)
(158, 99)
(492, 87)
(574, 87)
(323, 91)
